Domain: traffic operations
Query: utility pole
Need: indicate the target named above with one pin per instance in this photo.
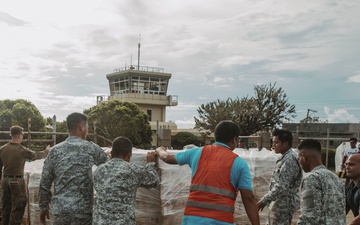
(307, 115)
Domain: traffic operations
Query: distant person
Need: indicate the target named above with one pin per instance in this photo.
(347, 153)
(116, 183)
(352, 191)
(283, 198)
(69, 167)
(322, 192)
(242, 144)
(12, 157)
(217, 175)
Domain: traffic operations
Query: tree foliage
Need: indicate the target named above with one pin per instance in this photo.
(313, 120)
(115, 118)
(179, 140)
(20, 110)
(267, 109)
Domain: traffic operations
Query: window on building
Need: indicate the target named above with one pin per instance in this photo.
(149, 112)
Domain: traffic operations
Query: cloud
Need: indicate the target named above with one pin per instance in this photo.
(11, 21)
(355, 79)
(185, 123)
(339, 116)
(211, 54)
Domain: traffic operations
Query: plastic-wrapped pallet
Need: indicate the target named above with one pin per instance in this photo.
(147, 203)
(34, 170)
(174, 191)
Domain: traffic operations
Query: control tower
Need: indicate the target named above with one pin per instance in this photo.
(147, 87)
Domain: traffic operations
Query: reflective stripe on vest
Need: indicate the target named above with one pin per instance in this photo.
(212, 194)
(203, 205)
(214, 190)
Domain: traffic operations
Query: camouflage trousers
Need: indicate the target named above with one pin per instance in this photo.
(14, 200)
(71, 219)
(279, 218)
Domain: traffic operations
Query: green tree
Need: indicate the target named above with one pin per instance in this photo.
(267, 109)
(179, 140)
(115, 118)
(20, 110)
(313, 120)
(60, 127)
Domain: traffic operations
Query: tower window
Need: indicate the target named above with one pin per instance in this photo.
(149, 112)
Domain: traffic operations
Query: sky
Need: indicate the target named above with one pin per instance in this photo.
(56, 54)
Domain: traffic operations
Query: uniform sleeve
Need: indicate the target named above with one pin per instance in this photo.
(100, 156)
(289, 172)
(310, 201)
(46, 180)
(147, 175)
(34, 155)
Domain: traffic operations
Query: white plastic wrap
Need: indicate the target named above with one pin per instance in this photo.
(165, 204)
(339, 154)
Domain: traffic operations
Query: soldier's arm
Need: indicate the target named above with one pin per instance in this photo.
(311, 201)
(100, 156)
(34, 155)
(46, 180)
(148, 176)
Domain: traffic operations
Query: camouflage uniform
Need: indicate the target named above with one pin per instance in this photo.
(322, 198)
(283, 192)
(12, 158)
(115, 183)
(69, 166)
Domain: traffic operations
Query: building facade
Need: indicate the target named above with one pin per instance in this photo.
(337, 132)
(147, 87)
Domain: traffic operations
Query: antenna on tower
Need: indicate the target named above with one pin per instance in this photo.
(131, 65)
(139, 52)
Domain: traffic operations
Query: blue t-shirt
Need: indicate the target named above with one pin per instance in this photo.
(240, 178)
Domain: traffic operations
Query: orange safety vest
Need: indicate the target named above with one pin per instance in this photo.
(211, 193)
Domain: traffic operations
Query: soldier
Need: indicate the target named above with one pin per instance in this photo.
(12, 158)
(116, 183)
(352, 191)
(283, 198)
(322, 192)
(69, 166)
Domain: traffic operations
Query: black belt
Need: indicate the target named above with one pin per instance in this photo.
(9, 176)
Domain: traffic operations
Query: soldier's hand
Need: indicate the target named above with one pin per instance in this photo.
(44, 214)
(260, 206)
(48, 147)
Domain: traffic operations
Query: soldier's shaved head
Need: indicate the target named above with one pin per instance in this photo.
(353, 167)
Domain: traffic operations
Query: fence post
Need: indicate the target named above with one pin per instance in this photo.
(29, 133)
(95, 134)
(327, 146)
(54, 130)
